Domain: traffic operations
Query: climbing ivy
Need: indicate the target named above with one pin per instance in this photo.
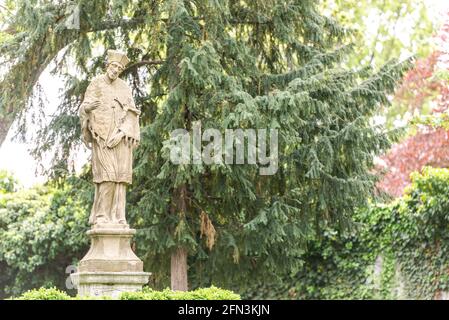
(421, 238)
(399, 250)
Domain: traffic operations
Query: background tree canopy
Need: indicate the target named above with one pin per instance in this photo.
(384, 29)
(42, 234)
(229, 64)
(422, 102)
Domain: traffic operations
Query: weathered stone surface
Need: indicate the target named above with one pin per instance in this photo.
(110, 266)
(110, 284)
(110, 251)
(110, 128)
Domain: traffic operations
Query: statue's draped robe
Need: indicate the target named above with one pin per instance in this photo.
(111, 167)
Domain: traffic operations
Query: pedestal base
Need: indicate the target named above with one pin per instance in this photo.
(110, 267)
(111, 284)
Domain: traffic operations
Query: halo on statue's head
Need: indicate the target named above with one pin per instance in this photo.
(117, 56)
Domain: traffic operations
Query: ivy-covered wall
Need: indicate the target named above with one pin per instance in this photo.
(398, 251)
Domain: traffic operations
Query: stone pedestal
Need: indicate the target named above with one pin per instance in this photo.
(110, 267)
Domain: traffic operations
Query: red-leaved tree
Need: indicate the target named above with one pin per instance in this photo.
(430, 145)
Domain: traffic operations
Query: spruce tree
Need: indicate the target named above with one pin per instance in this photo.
(261, 64)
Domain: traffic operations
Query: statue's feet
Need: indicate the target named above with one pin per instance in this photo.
(100, 221)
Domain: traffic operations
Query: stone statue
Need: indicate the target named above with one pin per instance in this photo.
(110, 128)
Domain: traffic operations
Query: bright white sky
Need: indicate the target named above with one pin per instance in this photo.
(14, 156)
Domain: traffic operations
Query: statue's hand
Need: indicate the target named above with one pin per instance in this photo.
(92, 106)
(88, 145)
(115, 139)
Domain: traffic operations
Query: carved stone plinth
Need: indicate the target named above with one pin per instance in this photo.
(112, 284)
(110, 267)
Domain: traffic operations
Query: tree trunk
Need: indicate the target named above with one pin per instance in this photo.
(179, 270)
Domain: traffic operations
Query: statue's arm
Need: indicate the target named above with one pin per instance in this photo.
(88, 104)
(90, 101)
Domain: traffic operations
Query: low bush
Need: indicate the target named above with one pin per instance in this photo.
(44, 294)
(212, 293)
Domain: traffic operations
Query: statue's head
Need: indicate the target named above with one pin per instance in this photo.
(117, 62)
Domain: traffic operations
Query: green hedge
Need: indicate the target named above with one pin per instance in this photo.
(211, 293)
(398, 250)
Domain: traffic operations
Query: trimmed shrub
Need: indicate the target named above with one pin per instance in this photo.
(44, 294)
(212, 293)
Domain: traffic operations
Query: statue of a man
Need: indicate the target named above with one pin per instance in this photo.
(110, 128)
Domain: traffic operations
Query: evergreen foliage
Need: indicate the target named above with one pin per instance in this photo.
(230, 64)
(400, 251)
